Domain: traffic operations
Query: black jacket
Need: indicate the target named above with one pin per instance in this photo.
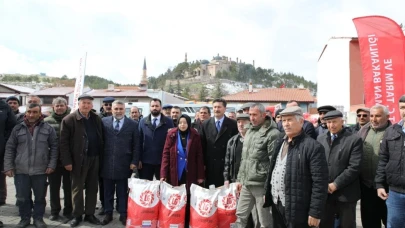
(214, 148)
(355, 128)
(7, 123)
(197, 125)
(230, 171)
(308, 128)
(344, 160)
(306, 179)
(391, 165)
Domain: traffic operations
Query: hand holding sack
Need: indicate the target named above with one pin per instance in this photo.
(227, 202)
(173, 206)
(143, 203)
(203, 207)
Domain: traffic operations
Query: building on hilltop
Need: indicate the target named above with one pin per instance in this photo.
(210, 68)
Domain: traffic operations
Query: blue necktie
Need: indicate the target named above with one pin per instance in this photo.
(117, 126)
(154, 122)
(218, 126)
(333, 137)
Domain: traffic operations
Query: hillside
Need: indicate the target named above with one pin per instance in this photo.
(91, 81)
(238, 72)
(182, 81)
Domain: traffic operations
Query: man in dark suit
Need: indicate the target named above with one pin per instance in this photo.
(121, 137)
(152, 136)
(216, 133)
(343, 152)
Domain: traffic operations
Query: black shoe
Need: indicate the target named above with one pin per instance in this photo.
(24, 223)
(107, 219)
(2, 203)
(1, 224)
(54, 217)
(75, 221)
(101, 211)
(39, 223)
(92, 219)
(68, 216)
(123, 220)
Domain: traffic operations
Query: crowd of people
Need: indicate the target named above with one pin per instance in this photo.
(310, 176)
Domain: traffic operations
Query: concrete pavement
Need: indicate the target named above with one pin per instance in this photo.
(9, 212)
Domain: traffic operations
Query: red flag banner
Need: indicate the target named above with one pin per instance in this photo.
(382, 50)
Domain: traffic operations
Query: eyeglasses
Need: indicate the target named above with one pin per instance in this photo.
(107, 104)
(362, 115)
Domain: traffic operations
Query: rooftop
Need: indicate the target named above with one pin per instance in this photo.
(117, 93)
(272, 95)
(20, 89)
(57, 91)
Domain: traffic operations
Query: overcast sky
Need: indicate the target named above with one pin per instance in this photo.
(287, 35)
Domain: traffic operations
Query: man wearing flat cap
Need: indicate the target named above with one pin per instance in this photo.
(308, 126)
(234, 155)
(363, 118)
(297, 181)
(106, 109)
(81, 145)
(245, 107)
(234, 149)
(322, 128)
(166, 110)
(343, 151)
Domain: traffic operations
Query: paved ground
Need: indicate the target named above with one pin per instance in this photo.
(9, 213)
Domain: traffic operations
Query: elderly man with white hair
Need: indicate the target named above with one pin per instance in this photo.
(343, 151)
(297, 181)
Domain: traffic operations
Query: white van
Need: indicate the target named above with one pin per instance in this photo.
(144, 108)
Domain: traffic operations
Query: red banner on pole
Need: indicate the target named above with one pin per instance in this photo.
(382, 50)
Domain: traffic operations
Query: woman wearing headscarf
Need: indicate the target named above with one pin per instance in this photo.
(182, 159)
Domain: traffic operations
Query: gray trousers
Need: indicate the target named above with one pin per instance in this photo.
(249, 197)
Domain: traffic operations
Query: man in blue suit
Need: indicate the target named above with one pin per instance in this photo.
(121, 137)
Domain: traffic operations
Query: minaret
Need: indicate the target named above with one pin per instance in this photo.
(144, 80)
(185, 59)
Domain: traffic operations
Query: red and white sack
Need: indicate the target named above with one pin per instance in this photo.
(203, 207)
(227, 202)
(172, 211)
(143, 203)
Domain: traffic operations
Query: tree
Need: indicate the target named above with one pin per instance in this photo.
(178, 88)
(186, 92)
(202, 96)
(170, 89)
(218, 91)
(64, 77)
(218, 74)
